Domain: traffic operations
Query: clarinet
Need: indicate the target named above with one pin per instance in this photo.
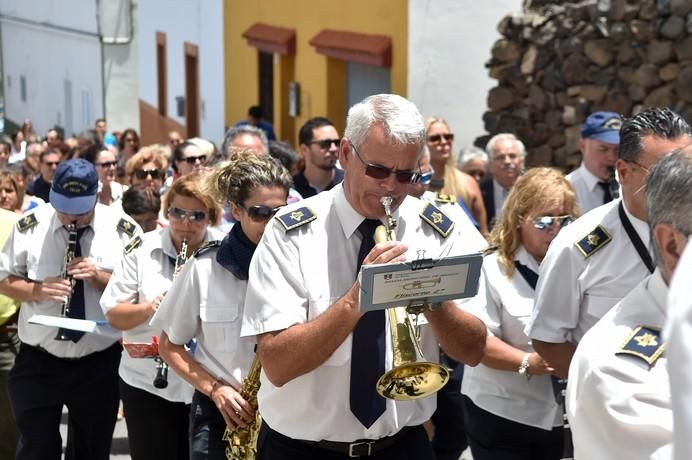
(560, 391)
(161, 379)
(69, 255)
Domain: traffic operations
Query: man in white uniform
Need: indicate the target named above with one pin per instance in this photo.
(321, 356)
(598, 259)
(677, 333)
(618, 397)
(594, 180)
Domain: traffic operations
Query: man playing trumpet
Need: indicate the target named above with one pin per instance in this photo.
(321, 356)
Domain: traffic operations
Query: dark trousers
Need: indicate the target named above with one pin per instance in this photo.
(157, 429)
(40, 384)
(449, 440)
(496, 438)
(206, 430)
(412, 445)
(9, 435)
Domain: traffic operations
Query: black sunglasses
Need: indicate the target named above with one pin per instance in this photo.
(449, 137)
(143, 173)
(545, 222)
(193, 160)
(406, 176)
(192, 216)
(51, 163)
(260, 212)
(108, 164)
(326, 143)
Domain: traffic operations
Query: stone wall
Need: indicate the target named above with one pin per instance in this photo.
(560, 61)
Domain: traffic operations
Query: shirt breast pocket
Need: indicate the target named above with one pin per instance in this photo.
(221, 325)
(597, 306)
(343, 352)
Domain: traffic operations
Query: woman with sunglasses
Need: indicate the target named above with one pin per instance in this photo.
(206, 302)
(509, 407)
(447, 179)
(157, 418)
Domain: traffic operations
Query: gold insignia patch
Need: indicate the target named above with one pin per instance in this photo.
(26, 222)
(444, 198)
(133, 244)
(206, 247)
(645, 343)
(126, 227)
(595, 240)
(297, 218)
(437, 219)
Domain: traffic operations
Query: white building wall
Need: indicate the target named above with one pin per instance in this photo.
(449, 44)
(199, 22)
(62, 71)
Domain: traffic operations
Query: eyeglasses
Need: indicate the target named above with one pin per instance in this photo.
(641, 166)
(426, 178)
(51, 163)
(192, 216)
(545, 222)
(143, 173)
(260, 212)
(435, 138)
(406, 176)
(108, 164)
(326, 143)
(193, 160)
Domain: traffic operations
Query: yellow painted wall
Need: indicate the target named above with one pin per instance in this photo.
(307, 17)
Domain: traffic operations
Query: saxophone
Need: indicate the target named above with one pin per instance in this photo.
(161, 378)
(242, 442)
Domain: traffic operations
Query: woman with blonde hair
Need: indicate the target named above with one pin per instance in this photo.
(157, 416)
(447, 179)
(206, 302)
(509, 407)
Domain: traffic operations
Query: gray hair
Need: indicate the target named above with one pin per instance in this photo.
(400, 118)
(490, 146)
(236, 131)
(468, 154)
(669, 193)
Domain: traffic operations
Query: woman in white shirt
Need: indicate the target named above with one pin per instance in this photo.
(157, 418)
(206, 303)
(510, 409)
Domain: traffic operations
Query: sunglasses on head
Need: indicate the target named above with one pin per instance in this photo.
(326, 143)
(260, 212)
(180, 214)
(545, 222)
(449, 137)
(108, 164)
(143, 173)
(406, 176)
(193, 160)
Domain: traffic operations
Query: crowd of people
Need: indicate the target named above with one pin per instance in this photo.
(191, 264)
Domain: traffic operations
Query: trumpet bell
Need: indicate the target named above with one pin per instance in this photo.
(412, 381)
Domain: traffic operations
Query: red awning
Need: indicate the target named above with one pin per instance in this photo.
(368, 49)
(271, 39)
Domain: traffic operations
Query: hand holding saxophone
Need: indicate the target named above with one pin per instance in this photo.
(236, 411)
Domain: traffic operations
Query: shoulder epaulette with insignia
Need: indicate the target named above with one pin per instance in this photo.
(295, 219)
(595, 240)
(437, 219)
(26, 222)
(644, 342)
(133, 244)
(126, 226)
(206, 247)
(444, 198)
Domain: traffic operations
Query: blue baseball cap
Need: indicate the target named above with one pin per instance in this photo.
(74, 188)
(602, 126)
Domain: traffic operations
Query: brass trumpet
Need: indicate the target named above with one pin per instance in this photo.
(412, 376)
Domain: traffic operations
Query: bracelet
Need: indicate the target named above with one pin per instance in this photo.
(215, 386)
(524, 366)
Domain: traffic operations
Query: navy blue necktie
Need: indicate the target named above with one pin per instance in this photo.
(367, 352)
(607, 196)
(77, 300)
(530, 276)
